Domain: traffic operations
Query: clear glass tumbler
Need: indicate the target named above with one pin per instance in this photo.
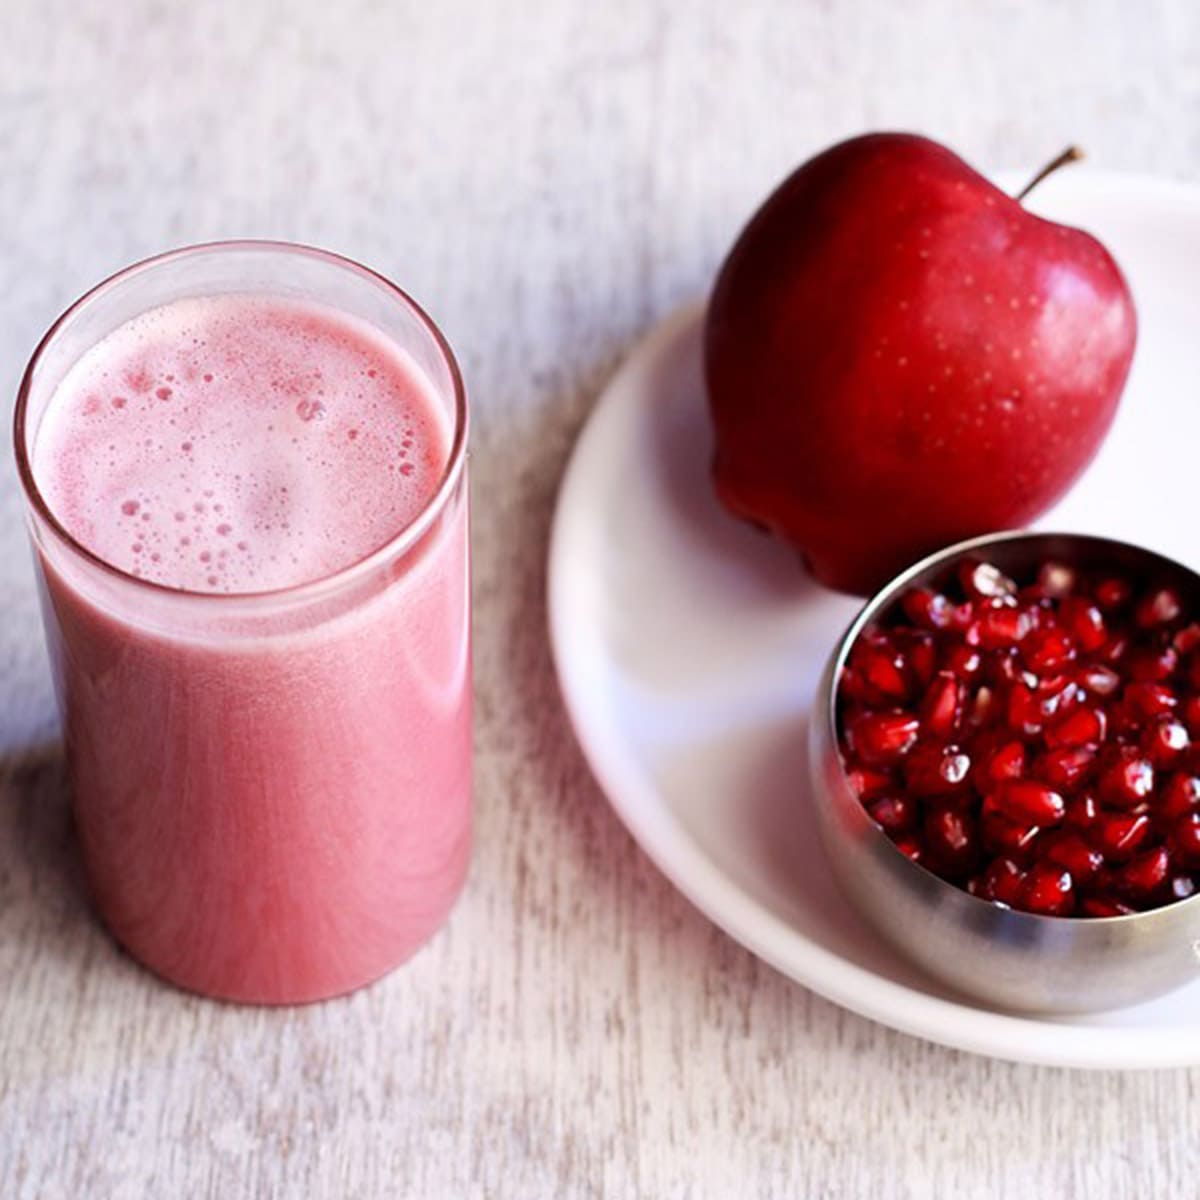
(272, 791)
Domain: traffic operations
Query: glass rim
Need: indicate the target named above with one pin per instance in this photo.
(395, 546)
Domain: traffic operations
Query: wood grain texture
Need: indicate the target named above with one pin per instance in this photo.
(550, 178)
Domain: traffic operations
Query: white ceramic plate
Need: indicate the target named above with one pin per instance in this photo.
(688, 647)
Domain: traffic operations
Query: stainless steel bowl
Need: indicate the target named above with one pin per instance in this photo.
(1006, 958)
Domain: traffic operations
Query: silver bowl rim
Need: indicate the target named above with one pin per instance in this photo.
(826, 712)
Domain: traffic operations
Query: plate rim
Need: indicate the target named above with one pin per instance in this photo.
(676, 853)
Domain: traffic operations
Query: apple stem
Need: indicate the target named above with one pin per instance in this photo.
(1069, 155)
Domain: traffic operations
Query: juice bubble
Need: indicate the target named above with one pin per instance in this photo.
(310, 410)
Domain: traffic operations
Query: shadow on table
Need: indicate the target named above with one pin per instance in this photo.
(44, 907)
(680, 445)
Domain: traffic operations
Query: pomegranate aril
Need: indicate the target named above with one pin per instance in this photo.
(883, 671)
(999, 835)
(1024, 712)
(1029, 802)
(1165, 741)
(1082, 727)
(962, 662)
(982, 705)
(1160, 607)
(1085, 623)
(942, 705)
(921, 652)
(1126, 778)
(1082, 812)
(930, 610)
(1006, 761)
(1058, 695)
(1145, 876)
(1182, 886)
(883, 738)
(1038, 612)
(1192, 670)
(1112, 593)
(998, 626)
(1149, 700)
(1065, 767)
(1098, 680)
(1057, 580)
(851, 688)
(1038, 744)
(1124, 722)
(982, 580)
(936, 769)
(1069, 850)
(1119, 835)
(1114, 650)
(1102, 906)
(895, 814)
(1047, 650)
(925, 608)
(1184, 840)
(1151, 664)
(963, 800)
(951, 841)
(1179, 796)
(1191, 715)
(1001, 881)
(868, 782)
(1029, 709)
(1003, 667)
(1048, 890)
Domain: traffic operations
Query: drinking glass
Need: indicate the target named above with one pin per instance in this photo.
(272, 791)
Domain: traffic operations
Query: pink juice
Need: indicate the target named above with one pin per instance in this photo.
(272, 793)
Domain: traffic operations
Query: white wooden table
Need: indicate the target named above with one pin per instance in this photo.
(550, 178)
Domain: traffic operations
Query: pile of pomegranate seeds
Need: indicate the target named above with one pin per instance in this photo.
(1037, 745)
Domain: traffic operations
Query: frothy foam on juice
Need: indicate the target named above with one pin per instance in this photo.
(240, 443)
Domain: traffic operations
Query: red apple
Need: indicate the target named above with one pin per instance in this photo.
(898, 355)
